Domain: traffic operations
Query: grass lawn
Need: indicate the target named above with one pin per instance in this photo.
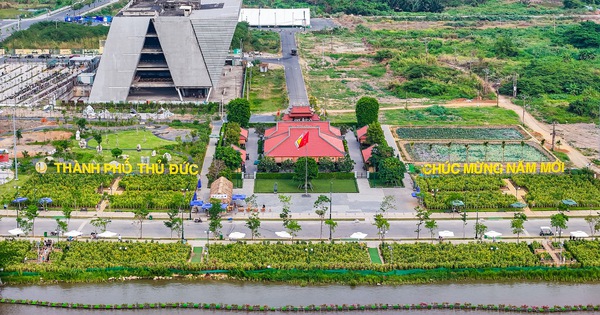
(291, 186)
(467, 116)
(127, 141)
(267, 90)
(374, 255)
(9, 188)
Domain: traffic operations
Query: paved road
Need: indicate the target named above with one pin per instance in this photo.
(293, 72)
(399, 230)
(8, 26)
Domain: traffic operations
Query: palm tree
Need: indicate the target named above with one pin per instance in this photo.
(449, 145)
(503, 145)
(467, 153)
(485, 148)
(542, 142)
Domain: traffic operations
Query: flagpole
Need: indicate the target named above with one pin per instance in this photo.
(306, 172)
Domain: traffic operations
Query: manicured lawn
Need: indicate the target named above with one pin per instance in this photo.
(291, 186)
(267, 90)
(9, 189)
(374, 255)
(468, 116)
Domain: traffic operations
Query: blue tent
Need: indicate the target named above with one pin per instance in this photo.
(224, 206)
(238, 197)
(199, 185)
(198, 203)
(45, 200)
(206, 206)
(20, 199)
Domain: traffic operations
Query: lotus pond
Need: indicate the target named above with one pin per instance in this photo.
(500, 133)
(457, 152)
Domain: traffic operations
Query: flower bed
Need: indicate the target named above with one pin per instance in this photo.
(173, 182)
(66, 189)
(549, 190)
(586, 252)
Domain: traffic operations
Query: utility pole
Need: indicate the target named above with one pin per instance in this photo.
(330, 201)
(15, 139)
(515, 85)
(553, 134)
(485, 86)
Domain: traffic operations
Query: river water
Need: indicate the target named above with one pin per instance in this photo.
(230, 292)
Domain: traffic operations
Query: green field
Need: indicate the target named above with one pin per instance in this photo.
(467, 116)
(291, 186)
(508, 133)
(267, 91)
(127, 141)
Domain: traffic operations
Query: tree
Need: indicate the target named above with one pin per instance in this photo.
(66, 211)
(391, 171)
(174, 223)
(516, 224)
(380, 153)
(387, 204)
(31, 213)
(268, 164)
(480, 229)
(61, 227)
(332, 225)
(431, 225)
(260, 129)
(230, 156)
(139, 216)
(214, 215)
(238, 110)
(251, 201)
(375, 134)
(505, 47)
(25, 224)
(100, 223)
(287, 165)
(467, 146)
(485, 150)
(321, 205)
(217, 169)
(345, 164)
(326, 165)
(300, 167)
(367, 110)
(286, 201)
(253, 224)
(503, 145)
(81, 123)
(382, 225)
(422, 215)
(232, 134)
(19, 135)
(116, 152)
(593, 222)
(293, 228)
(98, 137)
(559, 222)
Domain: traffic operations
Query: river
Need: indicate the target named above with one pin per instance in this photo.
(231, 292)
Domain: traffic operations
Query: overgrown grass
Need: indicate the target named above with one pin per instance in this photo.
(9, 189)
(267, 90)
(51, 35)
(468, 116)
(292, 186)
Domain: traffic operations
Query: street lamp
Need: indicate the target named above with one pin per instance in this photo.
(207, 237)
(18, 203)
(391, 254)
(330, 200)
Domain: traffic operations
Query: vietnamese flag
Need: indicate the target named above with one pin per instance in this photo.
(302, 140)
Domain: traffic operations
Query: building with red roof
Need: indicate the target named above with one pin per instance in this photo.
(241, 151)
(243, 136)
(361, 134)
(301, 113)
(366, 155)
(323, 141)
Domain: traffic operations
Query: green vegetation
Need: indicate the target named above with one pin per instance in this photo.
(476, 192)
(472, 255)
(255, 40)
(367, 110)
(468, 116)
(587, 253)
(512, 133)
(264, 185)
(238, 110)
(110, 10)
(549, 190)
(458, 152)
(288, 256)
(52, 35)
(157, 182)
(25, 9)
(267, 90)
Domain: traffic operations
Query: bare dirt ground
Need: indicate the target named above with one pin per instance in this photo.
(33, 149)
(585, 137)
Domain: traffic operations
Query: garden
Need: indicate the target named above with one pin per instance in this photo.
(154, 191)
(468, 133)
(475, 191)
(547, 191)
(455, 256)
(587, 253)
(474, 152)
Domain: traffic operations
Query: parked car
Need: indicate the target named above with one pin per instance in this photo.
(44, 56)
(546, 231)
(28, 57)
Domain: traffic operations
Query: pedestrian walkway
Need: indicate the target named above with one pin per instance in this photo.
(374, 255)
(208, 158)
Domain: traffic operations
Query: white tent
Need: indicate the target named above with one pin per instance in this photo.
(73, 233)
(107, 234)
(89, 111)
(492, 234)
(283, 234)
(16, 231)
(579, 234)
(237, 235)
(446, 233)
(358, 235)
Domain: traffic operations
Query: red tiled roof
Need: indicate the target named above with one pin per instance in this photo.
(242, 152)
(324, 140)
(366, 153)
(244, 134)
(362, 132)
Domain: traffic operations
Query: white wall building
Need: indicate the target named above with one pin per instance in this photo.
(276, 17)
